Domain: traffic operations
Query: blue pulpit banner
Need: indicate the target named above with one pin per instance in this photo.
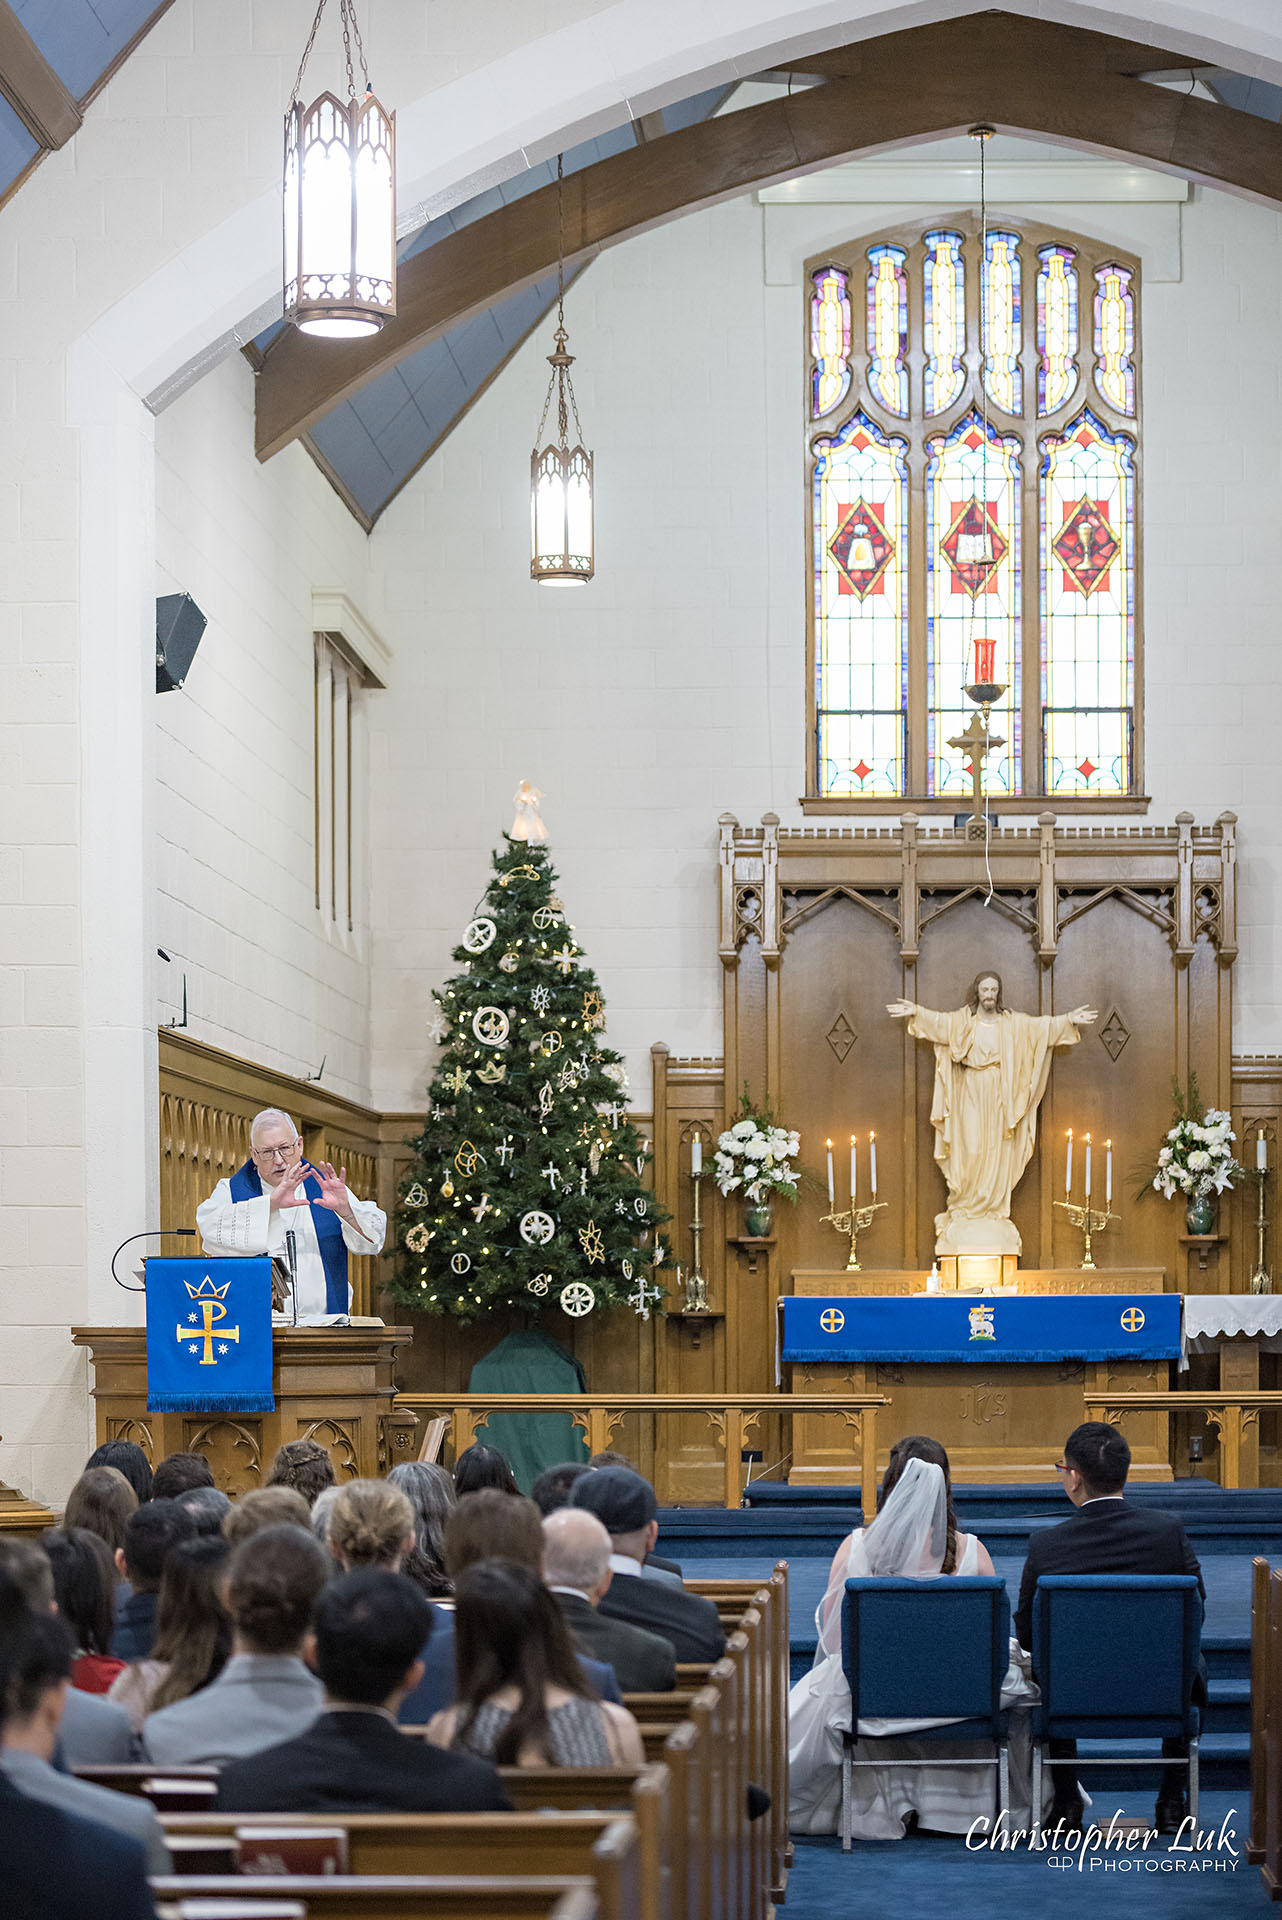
(209, 1336)
(966, 1326)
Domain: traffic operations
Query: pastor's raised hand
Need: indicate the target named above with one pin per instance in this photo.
(333, 1186)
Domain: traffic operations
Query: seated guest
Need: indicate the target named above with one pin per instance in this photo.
(625, 1505)
(56, 1865)
(430, 1491)
(522, 1700)
(576, 1571)
(40, 1653)
(305, 1466)
(320, 1513)
(179, 1473)
(653, 1563)
(101, 1502)
(208, 1507)
(552, 1489)
(488, 1525)
(264, 1507)
(127, 1457)
(193, 1637)
(370, 1524)
(94, 1731)
(478, 1467)
(364, 1645)
(264, 1694)
(150, 1534)
(1107, 1535)
(84, 1585)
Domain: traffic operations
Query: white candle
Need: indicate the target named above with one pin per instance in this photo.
(1261, 1153)
(1108, 1173)
(854, 1173)
(1088, 1166)
(1068, 1165)
(832, 1197)
(696, 1155)
(872, 1154)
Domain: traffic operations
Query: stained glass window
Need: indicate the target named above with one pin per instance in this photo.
(1088, 607)
(944, 320)
(1000, 319)
(829, 340)
(1115, 337)
(1056, 328)
(956, 503)
(861, 608)
(888, 328)
(972, 593)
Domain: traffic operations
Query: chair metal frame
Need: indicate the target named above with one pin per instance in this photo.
(919, 1596)
(1044, 1711)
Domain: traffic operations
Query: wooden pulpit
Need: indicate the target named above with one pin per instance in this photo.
(331, 1384)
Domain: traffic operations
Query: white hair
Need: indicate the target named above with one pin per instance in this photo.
(270, 1117)
(576, 1550)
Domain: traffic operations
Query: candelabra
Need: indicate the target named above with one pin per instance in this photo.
(1261, 1280)
(696, 1287)
(853, 1221)
(1091, 1220)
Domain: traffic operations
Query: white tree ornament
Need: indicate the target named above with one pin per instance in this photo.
(490, 1025)
(577, 1299)
(461, 1263)
(537, 1227)
(479, 935)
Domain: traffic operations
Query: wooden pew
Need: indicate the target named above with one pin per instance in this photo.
(604, 1847)
(647, 1708)
(338, 1896)
(134, 1777)
(1271, 1867)
(1259, 1706)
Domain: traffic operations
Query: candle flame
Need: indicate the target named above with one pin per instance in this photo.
(1087, 1138)
(1108, 1143)
(830, 1146)
(1070, 1133)
(852, 1139)
(872, 1136)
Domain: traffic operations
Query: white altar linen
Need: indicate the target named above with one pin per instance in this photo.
(1210, 1318)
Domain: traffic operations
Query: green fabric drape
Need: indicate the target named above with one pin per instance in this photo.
(530, 1362)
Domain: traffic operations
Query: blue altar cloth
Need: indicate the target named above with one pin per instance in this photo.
(965, 1326)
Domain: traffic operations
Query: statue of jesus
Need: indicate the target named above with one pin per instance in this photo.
(991, 1068)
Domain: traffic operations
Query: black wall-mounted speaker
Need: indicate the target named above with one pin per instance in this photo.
(179, 625)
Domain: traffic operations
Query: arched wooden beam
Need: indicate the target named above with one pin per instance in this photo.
(1022, 75)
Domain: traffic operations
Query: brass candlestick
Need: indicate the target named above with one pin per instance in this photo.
(853, 1221)
(696, 1287)
(1090, 1220)
(1261, 1280)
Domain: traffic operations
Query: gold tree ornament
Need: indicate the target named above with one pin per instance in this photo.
(545, 917)
(416, 1239)
(447, 1187)
(492, 1073)
(517, 873)
(458, 1080)
(418, 1196)
(509, 962)
(594, 1158)
(528, 824)
(466, 1160)
(539, 1284)
(551, 1042)
(564, 958)
(480, 935)
(591, 1242)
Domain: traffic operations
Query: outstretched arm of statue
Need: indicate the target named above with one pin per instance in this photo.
(901, 1009)
(1084, 1016)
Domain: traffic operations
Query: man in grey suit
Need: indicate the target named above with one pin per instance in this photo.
(264, 1695)
(39, 1660)
(576, 1567)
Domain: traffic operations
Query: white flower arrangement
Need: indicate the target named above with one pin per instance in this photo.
(1197, 1158)
(756, 1155)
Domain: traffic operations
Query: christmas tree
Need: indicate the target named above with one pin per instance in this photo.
(526, 1187)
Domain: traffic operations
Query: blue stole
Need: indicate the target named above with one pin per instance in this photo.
(246, 1185)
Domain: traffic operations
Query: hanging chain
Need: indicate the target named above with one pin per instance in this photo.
(351, 26)
(560, 383)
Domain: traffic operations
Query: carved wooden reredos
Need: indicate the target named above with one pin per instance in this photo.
(819, 928)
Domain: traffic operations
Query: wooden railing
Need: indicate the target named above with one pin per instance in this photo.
(1228, 1414)
(731, 1416)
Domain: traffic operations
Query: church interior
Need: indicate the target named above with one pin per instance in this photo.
(905, 382)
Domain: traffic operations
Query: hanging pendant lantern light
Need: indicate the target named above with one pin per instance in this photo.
(562, 529)
(340, 202)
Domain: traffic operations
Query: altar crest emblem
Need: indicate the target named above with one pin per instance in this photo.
(981, 1323)
(209, 1336)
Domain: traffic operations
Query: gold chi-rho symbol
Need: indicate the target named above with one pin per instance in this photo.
(832, 1319)
(1133, 1319)
(209, 1299)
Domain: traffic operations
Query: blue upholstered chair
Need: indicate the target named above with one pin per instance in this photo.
(1115, 1656)
(926, 1650)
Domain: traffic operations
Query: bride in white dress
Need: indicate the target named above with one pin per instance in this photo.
(914, 1535)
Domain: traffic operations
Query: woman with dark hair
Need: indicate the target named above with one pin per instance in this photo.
(127, 1457)
(430, 1491)
(101, 1501)
(193, 1634)
(522, 1698)
(478, 1467)
(913, 1536)
(84, 1585)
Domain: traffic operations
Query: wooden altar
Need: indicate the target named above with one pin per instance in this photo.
(331, 1384)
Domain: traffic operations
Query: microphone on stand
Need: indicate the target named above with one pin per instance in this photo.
(148, 1233)
(291, 1254)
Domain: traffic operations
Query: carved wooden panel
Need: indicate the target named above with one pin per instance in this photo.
(233, 1448)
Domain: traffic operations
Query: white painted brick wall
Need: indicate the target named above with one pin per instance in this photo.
(673, 686)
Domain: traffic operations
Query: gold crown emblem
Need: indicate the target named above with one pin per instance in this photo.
(207, 1290)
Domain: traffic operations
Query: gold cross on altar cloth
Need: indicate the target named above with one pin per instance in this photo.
(977, 741)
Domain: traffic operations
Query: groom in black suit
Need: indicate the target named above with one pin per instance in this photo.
(1106, 1535)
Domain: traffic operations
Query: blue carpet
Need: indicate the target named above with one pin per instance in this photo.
(924, 1875)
